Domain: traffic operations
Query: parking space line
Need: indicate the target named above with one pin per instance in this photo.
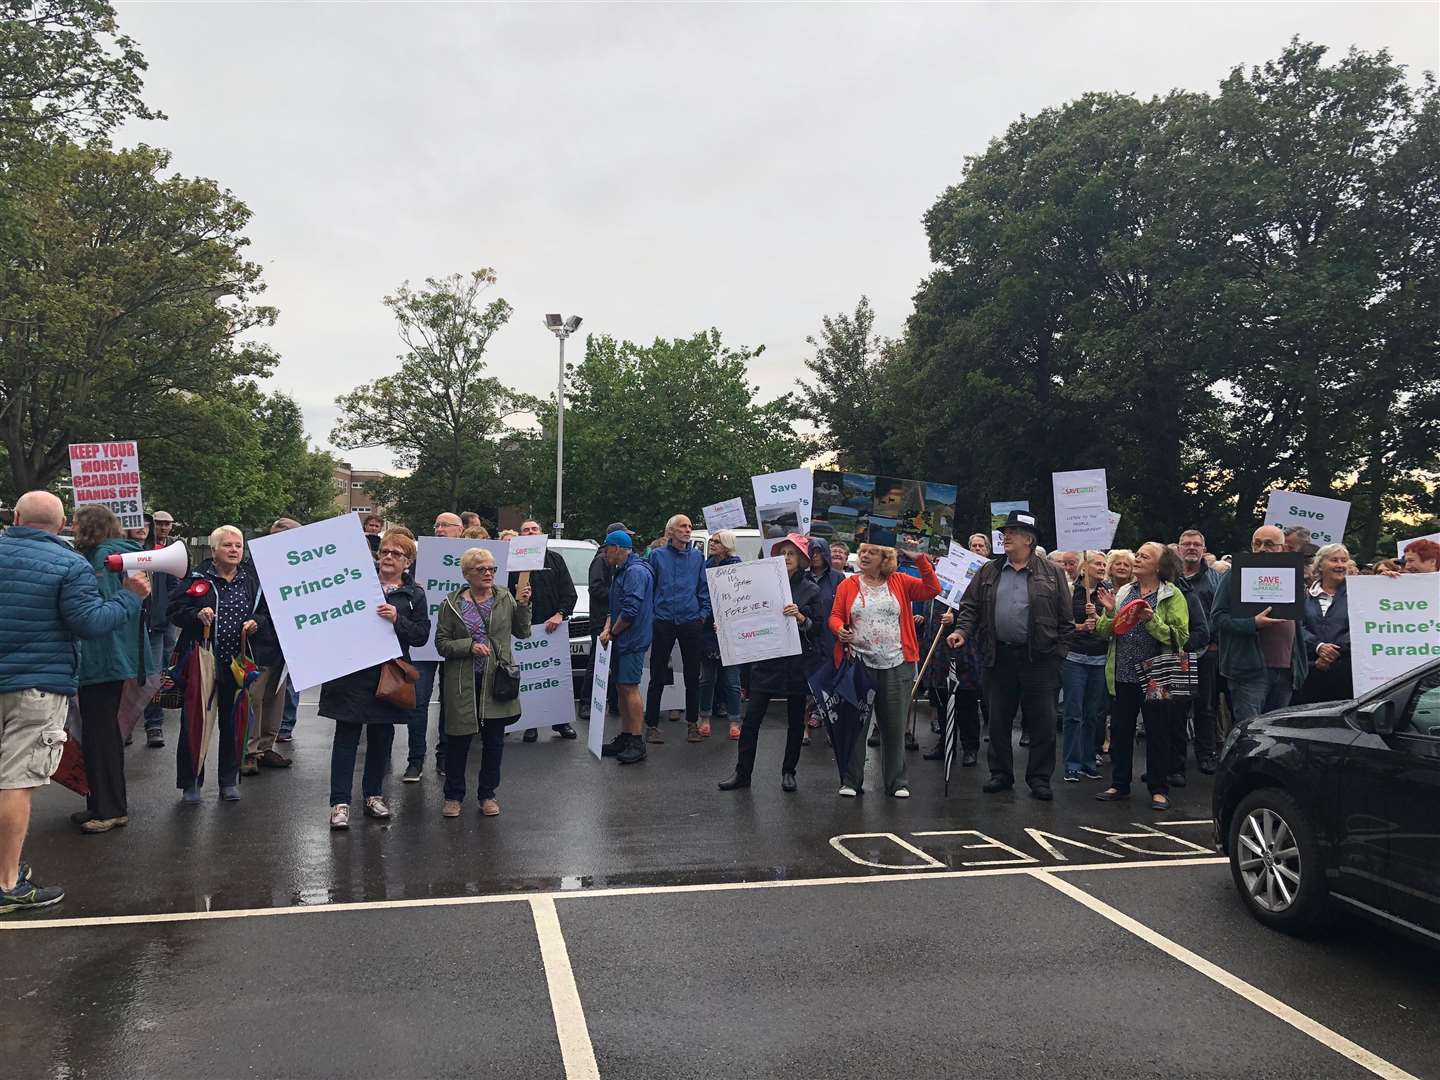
(587, 894)
(576, 1049)
(1333, 1040)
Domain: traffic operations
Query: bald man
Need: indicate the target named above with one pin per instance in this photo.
(48, 600)
(1263, 659)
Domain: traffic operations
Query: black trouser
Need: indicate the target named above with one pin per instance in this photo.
(666, 635)
(104, 749)
(492, 749)
(1129, 703)
(750, 732)
(1204, 707)
(1019, 682)
(967, 715)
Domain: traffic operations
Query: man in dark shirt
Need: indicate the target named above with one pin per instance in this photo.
(552, 601)
(1202, 580)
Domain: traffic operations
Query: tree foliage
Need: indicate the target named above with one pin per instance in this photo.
(440, 408)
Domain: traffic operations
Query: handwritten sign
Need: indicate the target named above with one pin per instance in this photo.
(526, 553)
(729, 514)
(437, 571)
(323, 593)
(108, 474)
(599, 695)
(748, 599)
(1394, 626)
(547, 692)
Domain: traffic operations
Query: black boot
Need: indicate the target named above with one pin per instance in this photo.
(735, 781)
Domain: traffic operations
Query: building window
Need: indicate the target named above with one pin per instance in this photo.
(355, 484)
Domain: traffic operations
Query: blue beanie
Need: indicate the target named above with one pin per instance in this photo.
(619, 538)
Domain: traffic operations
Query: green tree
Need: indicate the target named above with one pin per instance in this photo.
(440, 408)
(129, 292)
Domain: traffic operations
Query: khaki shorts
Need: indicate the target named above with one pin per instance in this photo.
(32, 737)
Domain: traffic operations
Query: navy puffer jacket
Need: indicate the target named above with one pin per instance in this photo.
(48, 601)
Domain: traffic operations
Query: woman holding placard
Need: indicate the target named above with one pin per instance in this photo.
(1327, 629)
(783, 676)
(1158, 622)
(351, 700)
(477, 628)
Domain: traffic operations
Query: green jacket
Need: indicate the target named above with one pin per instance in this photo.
(1170, 626)
(124, 653)
(452, 640)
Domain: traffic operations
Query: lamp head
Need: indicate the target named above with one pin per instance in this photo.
(554, 322)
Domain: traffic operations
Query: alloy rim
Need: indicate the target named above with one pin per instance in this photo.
(1269, 860)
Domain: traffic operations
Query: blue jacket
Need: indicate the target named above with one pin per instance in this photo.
(681, 592)
(49, 599)
(120, 654)
(1332, 628)
(632, 598)
(828, 581)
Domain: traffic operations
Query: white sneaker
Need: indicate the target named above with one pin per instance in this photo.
(902, 793)
(846, 791)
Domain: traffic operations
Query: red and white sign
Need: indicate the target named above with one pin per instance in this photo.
(108, 474)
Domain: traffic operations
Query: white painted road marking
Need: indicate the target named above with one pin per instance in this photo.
(1333, 1040)
(576, 1050)
(579, 894)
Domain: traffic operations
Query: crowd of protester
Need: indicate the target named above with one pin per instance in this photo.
(1069, 644)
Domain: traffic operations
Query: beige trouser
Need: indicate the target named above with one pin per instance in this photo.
(267, 705)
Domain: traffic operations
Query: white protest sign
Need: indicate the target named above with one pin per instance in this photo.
(1267, 584)
(956, 571)
(1393, 626)
(747, 599)
(729, 514)
(323, 593)
(599, 695)
(1325, 518)
(1080, 487)
(1113, 519)
(108, 474)
(782, 489)
(1403, 544)
(547, 692)
(526, 553)
(1082, 528)
(437, 571)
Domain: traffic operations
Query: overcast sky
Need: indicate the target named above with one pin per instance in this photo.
(656, 169)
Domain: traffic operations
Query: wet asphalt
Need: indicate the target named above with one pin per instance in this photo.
(978, 975)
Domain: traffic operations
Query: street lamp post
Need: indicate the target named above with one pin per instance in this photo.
(562, 328)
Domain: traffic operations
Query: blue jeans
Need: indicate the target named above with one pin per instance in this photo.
(1084, 698)
(420, 720)
(714, 675)
(378, 740)
(1251, 697)
(162, 644)
(292, 703)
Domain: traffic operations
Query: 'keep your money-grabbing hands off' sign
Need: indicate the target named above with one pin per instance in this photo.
(323, 593)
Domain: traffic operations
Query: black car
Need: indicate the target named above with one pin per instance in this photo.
(1338, 802)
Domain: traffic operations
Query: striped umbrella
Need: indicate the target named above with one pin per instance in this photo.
(952, 684)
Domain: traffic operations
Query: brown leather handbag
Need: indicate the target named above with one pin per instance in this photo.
(397, 683)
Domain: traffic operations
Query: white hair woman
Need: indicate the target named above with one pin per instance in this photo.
(220, 597)
(1327, 629)
(717, 680)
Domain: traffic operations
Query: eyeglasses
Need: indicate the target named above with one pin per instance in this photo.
(482, 570)
(1268, 545)
(393, 553)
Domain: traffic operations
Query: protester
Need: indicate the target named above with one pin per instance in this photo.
(630, 625)
(783, 676)
(469, 519)
(827, 577)
(1327, 630)
(162, 635)
(1178, 708)
(1082, 674)
(1298, 538)
(979, 544)
(270, 692)
(446, 525)
(1069, 561)
(49, 600)
(292, 697)
(598, 585)
(350, 699)
(478, 626)
(373, 525)
(1119, 568)
(966, 689)
(1163, 625)
(1422, 557)
(871, 617)
(1262, 659)
(1388, 566)
(479, 532)
(552, 603)
(218, 599)
(505, 534)
(682, 606)
(1018, 609)
(839, 557)
(714, 675)
(1202, 581)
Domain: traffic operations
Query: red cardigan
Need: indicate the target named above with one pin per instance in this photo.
(907, 590)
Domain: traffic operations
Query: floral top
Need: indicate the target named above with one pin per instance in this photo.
(875, 618)
(477, 621)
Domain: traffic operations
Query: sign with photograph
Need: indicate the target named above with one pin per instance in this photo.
(783, 501)
(857, 508)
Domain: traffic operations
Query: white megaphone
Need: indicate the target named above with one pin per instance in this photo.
(170, 560)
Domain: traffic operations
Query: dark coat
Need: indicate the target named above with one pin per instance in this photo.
(551, 589)
(785, 675)
(1337, 682)
(351, 698)
(828, 582)
(185, 609)
(598, 585)
(1051, 616)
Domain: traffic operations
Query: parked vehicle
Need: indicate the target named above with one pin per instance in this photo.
(578, 554)
(1337, 806)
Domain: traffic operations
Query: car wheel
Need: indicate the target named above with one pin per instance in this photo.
(1275, 862)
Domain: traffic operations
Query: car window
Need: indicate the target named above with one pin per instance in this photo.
(577, 561)
(1422, 713)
